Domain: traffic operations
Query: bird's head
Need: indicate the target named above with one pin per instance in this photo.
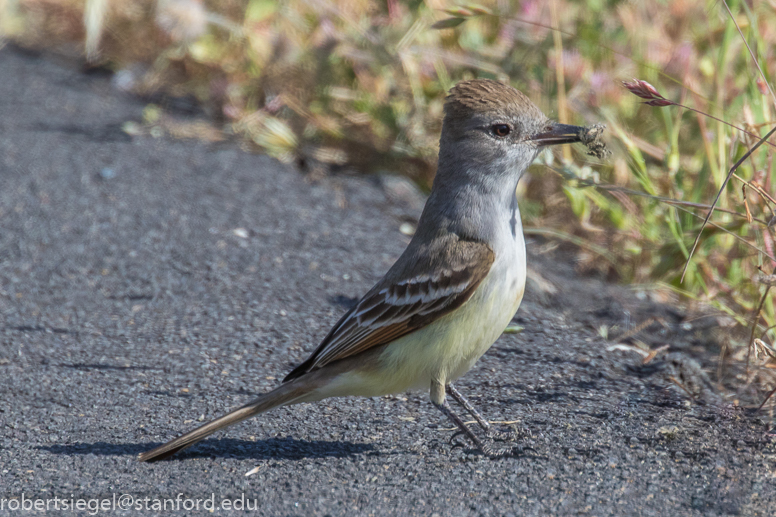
(490, 128)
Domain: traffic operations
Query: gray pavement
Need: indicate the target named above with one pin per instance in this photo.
(148, 283)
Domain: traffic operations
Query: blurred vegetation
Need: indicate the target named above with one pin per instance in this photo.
(361, 84)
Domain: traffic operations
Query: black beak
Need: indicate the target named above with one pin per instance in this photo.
(555, 134)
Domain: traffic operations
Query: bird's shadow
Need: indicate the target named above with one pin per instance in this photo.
(272, 448)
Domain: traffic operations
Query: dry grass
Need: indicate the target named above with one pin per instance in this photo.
(358, 83)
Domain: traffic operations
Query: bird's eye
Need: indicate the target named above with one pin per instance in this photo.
(500, 129)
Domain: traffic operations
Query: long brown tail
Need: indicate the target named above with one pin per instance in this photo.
(284, 394)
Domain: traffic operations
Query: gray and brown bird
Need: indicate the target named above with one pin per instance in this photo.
(455, 288)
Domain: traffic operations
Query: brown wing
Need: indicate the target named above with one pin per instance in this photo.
(407, 298)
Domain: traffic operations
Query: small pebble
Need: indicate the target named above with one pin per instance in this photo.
(407, 229)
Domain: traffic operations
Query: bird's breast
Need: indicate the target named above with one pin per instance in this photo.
(449, 346)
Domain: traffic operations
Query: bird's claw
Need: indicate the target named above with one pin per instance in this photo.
(456, 435)
(508, 435)
(494, 452)
(511, 434)
(456, 444)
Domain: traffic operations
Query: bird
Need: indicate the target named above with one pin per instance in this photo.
(453, 290)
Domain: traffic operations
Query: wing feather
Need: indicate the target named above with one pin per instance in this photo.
(406, 299)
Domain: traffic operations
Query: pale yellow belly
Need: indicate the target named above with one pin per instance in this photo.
(445, 349)
(449, 347)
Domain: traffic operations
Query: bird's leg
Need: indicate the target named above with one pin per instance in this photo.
(444, 407)
(492, 433)
(438, 389)
(487, 448)
(438, 399)
(450, 389)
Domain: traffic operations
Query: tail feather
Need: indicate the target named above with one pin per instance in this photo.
(282, 395)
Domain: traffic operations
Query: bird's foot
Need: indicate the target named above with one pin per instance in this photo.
(495, 451)
(456, 443)
(509, 434)
(493, 448)
(503, 435)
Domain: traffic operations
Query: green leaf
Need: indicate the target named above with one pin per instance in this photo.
(448, 23)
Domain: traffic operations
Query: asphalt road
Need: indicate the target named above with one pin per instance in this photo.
(150, 283)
